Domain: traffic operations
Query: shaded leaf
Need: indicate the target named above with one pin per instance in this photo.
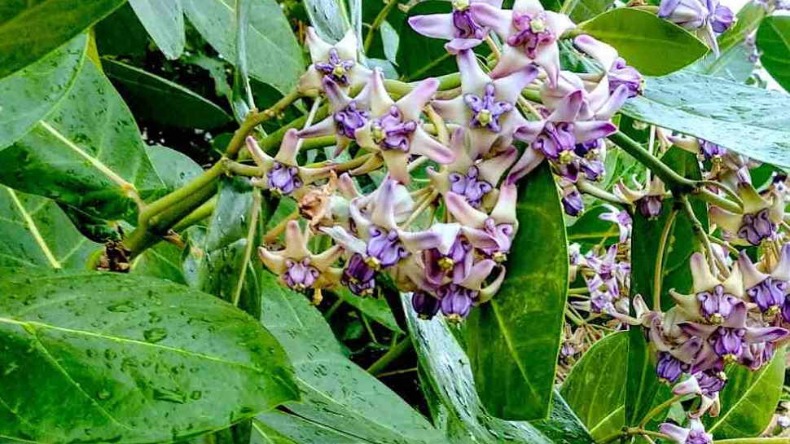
(595, 387)
(35, 232)
(336, 393)
(28, 95)
(374, 308)
(773, 41)
(285, 428)
(652, 45)
(164, 21)
(447, 376)
(513, 340)
(581, 10)
(328, 17)
(274, 56)
(746, 21)
(30, 30)
(111, 357)
(175, 168)
(87, 153)
(749, 399)
(589, 230)
(419, 56)
(732, 64)
(160, 100)
(748, 120)
(162, 261)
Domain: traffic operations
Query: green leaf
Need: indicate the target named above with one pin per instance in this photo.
(111, 357)
(751, 121)
(374, 308)
(328, 17)
(274, 56)
(419, 56)
(652, 45)
(589, 230)
(746, 21)
(581, 10)
(732, 64)
(336, 393)
(28, 95)
(279, 427)
(35, 232)
(175, 168)
(514, 339)
(773, 41)
(153, 98)
(595, 387)
(162, 261)
(749, 399)
(86, 153)
(164, 21)
(448, 377)
(29, 30)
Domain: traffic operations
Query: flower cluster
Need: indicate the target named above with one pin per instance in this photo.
(440, 216)
(708, 18)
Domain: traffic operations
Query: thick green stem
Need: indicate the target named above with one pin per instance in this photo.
(719, 201)
(674, 181)
(254, 119)
(658, 409)
(196, 216)
(658, 275)
(391, 355)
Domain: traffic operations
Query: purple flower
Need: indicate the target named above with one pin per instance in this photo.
(470, 186)
(694, 434)
(394, 130)
(358, 276)
(670, 368)
(768, 291)
(424, 304)
(690, 14)
(622, 219)
(455, 261)
(572, 202)
(650, 206)
(531, 35)
(721, 17)
(384, 248)
(283, 174)
(456, 301)
(297, 267)
(758, 227)
(462, 26)
(283, 179)
(336, 62)
(486, 107)
(769, 295)
(621, 74)
(728, 342)
(716, 306)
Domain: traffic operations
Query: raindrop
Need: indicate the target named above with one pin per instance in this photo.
(155, 335)
(167, 395)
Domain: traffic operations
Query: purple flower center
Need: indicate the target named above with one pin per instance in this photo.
(465, 25)
(335, 68)
(533, 31)
(716, 306)
(456, 301)
(769, 294)
(650, 206)
(300, 275)
(698, 437)
(711, 151)
(486, 109)
(455, 263)
(728, 342)
(572, 203)
(503, 234)
(349, 119)
(358, 276)
(757, 227)
(711, 381)
(384, 248)
(283, 179)
(425, 305)
(469, 186)
(556, 141)
(669, 368)
(391, 132)
(622, 74)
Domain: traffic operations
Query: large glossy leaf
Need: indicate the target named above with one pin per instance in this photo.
(448, 377)
(274, 56)
(110, 357)
(328, 17)
(419, 56)
(773, 41)
(153, 98)
(748, 120)
(652, 45)
(746, 21)
(595, 388)
(35, 232)
(164, 21)
(29, 30)
(642, 387)
(335, 393)
(581, 10)
(513, 340)
(28, 95)
(86, 153)
(374, 308)
(283, 428)
(175, 168)
(749, 400)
